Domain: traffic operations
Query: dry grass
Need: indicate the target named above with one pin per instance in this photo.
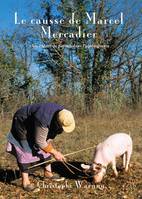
(89, 131)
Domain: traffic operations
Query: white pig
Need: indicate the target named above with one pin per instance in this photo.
(116, 145)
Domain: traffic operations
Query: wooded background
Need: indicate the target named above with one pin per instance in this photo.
(86, 80)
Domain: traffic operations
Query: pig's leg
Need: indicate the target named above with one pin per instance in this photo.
(124, 160)
(114, 167)
(128, 156)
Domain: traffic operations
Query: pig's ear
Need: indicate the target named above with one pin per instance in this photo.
(85, 166)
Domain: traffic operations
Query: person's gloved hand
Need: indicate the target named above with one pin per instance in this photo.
(58, 156)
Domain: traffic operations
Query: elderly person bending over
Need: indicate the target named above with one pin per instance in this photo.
(30, 140)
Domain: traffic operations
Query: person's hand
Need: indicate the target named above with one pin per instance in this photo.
(58, 156)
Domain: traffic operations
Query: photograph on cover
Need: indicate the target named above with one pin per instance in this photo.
(71, 99)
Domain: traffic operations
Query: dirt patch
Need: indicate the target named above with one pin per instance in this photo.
(89, 132)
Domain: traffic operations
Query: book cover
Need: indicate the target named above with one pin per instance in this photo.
(86, 56)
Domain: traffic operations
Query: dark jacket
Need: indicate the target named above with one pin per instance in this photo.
(23, 125)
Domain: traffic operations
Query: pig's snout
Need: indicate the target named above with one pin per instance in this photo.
(98, 177)
(98, 172)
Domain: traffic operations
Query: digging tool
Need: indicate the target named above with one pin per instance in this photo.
(66, 155)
